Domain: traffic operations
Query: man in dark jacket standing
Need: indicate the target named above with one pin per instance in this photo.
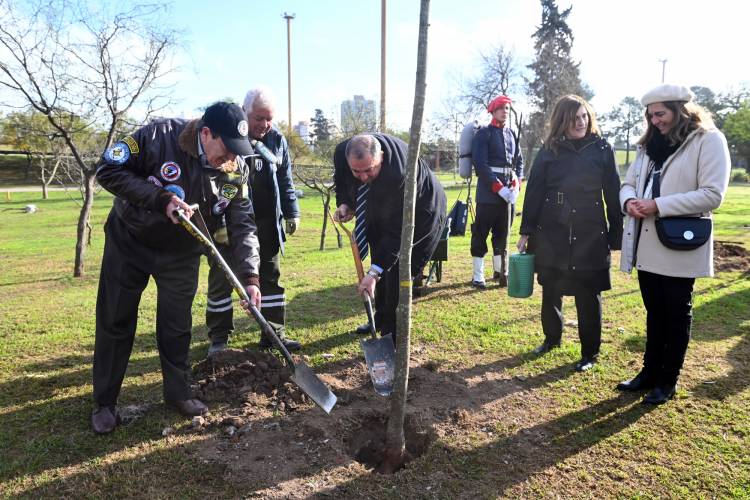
(370, 173)
(498, 164)
(274, 201)
(165, 166)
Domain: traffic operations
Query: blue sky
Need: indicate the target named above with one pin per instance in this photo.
(232, 45)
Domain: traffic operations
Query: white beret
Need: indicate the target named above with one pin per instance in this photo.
(666, 92)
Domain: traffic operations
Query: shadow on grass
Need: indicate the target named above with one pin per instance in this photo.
(494, 468)
(50, 431)
(31, 282)
(728, 316)
(39, 382)
(528, 450)
(56, 433)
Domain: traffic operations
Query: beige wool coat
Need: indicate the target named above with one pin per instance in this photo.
(693, 182)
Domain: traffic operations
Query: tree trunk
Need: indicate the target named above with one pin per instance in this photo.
(326, 204)
(83, 234)
(395, 442)
(627, 149)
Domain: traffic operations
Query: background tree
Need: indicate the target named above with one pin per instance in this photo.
(706, 98)
(31, 131)
(555, 73)
(65, 59)
(297, 147)
(731, 101)
(501, 74)
(321, 127)
(737, 131)
(624, 122)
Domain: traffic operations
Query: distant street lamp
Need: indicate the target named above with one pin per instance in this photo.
(382, 65)
(663, 68)
(289, 18)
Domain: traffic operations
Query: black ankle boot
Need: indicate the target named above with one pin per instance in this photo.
(659, 395)
(640, 382)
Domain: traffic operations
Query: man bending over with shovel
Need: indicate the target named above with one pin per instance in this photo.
(370, 174)
(167, 165)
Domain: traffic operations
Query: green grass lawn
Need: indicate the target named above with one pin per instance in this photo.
(598, 446)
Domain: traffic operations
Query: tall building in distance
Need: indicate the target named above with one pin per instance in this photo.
(358, 115)
(302, 129)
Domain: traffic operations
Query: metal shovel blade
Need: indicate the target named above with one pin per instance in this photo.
(303, 376)
(311, 385)
(380, 356)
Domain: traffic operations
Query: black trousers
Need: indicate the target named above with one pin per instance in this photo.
(491, 217)
(387, 288)
(589, 308)
(386, 301)
(669, 317)
(219, 309)
(126, 268)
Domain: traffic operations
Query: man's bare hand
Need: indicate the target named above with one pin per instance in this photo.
(253, 292)
(367, 286)
(523, 242)
(174, 204)
(343, 213)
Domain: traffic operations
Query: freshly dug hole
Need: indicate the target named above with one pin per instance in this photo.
(366, 442)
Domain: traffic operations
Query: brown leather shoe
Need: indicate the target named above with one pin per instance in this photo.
(189, 407)
(104, 419)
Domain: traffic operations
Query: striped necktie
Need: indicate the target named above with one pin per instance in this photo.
(360, 226)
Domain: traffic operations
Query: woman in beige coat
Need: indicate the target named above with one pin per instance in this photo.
(691, 161)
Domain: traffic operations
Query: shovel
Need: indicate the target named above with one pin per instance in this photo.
(380, 353)
(303, 375)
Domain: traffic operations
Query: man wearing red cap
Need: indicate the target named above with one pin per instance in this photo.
(499, 166)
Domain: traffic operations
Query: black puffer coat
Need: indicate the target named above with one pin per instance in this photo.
(563, 210)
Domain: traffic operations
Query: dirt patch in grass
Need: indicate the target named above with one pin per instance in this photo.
(730, 257)
(273, 438)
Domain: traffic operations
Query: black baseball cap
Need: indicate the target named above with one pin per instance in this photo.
(230, 123)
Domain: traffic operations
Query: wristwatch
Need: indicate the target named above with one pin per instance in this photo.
(373, 273)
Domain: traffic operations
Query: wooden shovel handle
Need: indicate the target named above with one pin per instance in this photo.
(355, 249)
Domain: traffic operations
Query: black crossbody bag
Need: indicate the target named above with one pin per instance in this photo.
(680, 233)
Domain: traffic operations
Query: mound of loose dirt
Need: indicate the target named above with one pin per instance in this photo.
(253, 377)
(730, 257)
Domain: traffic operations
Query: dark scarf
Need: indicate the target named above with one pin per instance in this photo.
(659, 149)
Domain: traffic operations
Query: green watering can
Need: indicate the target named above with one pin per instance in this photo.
(521, 275)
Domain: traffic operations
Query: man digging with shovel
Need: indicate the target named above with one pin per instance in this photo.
(370, 173)
(164, 167)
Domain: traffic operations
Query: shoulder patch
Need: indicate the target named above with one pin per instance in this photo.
(117, 154)
(228, 191)
(170, 171)
(134, 149)
(177, 190)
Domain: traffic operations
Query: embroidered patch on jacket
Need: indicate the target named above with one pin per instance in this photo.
(258, 164)
(228, 191)
(177, 190)
(154, 180)
(220, 206)
(242, 128)
(134, 149)
(170, 171)
(118, 154)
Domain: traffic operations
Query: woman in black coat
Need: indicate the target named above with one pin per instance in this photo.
(564, 223)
